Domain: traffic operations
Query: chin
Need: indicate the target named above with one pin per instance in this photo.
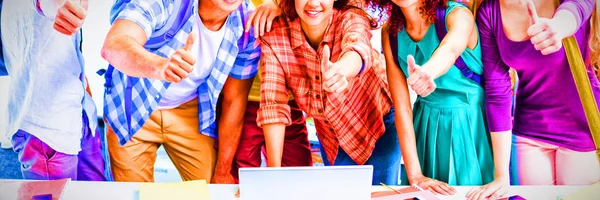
(405, 3)
(229, 5)
(312, 22)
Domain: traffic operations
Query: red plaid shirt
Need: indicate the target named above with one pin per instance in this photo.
(352, 120)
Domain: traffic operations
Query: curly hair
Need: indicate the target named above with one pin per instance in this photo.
(397, 20)
(288, 8)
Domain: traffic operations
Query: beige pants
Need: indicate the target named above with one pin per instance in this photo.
(540, 163)
(192, 153)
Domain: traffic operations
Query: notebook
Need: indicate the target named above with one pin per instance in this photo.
(301, 183)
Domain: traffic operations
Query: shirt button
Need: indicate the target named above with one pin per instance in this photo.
(318, 96)
(327, 122)
(157, 96)
(320, 110)
(317, 78)
(331, 129)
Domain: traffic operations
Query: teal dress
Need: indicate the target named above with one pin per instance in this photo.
(453, 143)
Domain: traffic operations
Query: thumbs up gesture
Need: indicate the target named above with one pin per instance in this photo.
(181, 63)
(544, 32)
(70, 15)
(420, 81)
(333, 79)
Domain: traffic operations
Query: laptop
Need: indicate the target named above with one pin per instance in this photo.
(306, 183)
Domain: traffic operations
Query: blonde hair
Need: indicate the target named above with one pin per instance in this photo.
(594, 41)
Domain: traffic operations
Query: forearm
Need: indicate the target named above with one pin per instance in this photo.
(408, 144)
(501, 145)
(351, 64)
(461, 26)
(404, 122)
(230, 130)
(572, 13)
(129, 57)
(441, 60)
(274, 138)
(566, 20)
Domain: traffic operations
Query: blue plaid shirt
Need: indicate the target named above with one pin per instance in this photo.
(231, 61)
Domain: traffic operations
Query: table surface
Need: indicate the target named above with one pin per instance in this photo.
(77, 190)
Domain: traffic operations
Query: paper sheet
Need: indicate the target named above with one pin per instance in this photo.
(590, 192)
(197, 190)
(26, 190)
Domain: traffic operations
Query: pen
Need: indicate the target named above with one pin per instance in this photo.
(388, 187)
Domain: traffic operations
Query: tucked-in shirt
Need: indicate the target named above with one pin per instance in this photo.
(237, 57)
(353, 119)
(548, 107)
(47, 95)
(204, 51)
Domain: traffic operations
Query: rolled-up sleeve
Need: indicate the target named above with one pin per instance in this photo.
(581, 9)
(357, 26)
(274, 94)
(496, 76)
(150, 15)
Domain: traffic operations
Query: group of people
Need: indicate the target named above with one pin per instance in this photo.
(220, 82)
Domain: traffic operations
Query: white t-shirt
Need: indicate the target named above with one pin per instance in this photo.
(205, 49)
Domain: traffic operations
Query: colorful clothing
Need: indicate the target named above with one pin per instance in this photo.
(39, 161)
(384, 158)
(554, 165)
(296, 148)
(548, 108)
(194, 155)
(52, 119)
(351, 120)
(231, 61)
(47, 70)
(453, 144)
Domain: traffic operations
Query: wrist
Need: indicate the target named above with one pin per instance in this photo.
(159, 64)
(562, 27)
(414, 176)
(502, 175)
(429, 71)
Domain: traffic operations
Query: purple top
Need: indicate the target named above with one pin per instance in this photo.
(548, 108)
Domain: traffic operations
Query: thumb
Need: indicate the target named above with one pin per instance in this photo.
(84, 4)
(191, 39)
(533, 16)
(325, 59)
(412, 66)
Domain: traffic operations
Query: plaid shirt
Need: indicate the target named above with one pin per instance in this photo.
(352, 120)
(231, 61)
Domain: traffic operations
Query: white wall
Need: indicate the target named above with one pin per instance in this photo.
(94, 31)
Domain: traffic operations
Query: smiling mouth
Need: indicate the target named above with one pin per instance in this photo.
(313, 13)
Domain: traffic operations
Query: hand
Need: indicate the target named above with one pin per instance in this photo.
(544, 33)
(379, 63)
(333, 79)
(262, 18)
(494, 190)
(222, 178)
(377, 59)
(181, 63)
(70, 16)
(420, 81)
(436, 186)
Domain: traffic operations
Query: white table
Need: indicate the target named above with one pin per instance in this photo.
(78, 190)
